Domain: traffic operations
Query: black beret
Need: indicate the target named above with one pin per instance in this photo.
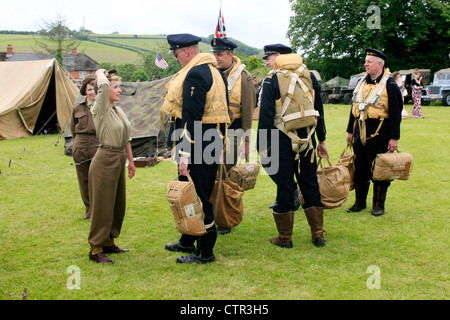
(182, 40)
(376, 53)
(276, 48)
(222, 44)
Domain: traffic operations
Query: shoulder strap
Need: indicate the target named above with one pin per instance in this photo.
(234, 77)
(295, 78)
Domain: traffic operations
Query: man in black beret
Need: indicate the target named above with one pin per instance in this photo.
(271, 51)
(197, 101)
(242, 96)
(280, 156)
(374, 127)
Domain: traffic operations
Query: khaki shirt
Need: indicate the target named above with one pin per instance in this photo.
(82, 121)
(248, 97)
(85, 142)
(111, 123)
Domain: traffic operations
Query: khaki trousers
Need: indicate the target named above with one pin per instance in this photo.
(107, 193)
(83, 182)
(84, 148)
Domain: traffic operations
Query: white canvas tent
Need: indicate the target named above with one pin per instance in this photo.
(34, 95)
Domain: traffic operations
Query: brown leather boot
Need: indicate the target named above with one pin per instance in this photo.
(314, 215)
(285, 225)
(379, 197)
(361, 190)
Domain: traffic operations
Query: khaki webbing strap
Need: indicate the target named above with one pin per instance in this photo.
(185, 134)
(219, 188)
(226, 139)
(234, 77)
(298, 144)
(362, 130)
(306, 90)
(296, 115)
(174, 144)
(289, 97)
(300, 73)
(375, 95)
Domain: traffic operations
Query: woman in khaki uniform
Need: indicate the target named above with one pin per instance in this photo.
(107, 181)
(85, 142)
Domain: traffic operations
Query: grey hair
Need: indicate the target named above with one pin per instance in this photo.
(378, 59)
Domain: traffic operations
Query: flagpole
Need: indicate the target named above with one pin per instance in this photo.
(222, 25)
(221, 17)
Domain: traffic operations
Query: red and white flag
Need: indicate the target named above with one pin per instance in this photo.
(221, 31)
(160, 62)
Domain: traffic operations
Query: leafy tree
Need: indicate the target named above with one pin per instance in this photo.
(55, 38)
(126, 71)
(332, 35)
(253, 63)
(140, 75)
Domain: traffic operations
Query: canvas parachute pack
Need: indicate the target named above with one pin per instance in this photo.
(295, 110)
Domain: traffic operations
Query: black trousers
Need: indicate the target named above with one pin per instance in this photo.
(204, 178)
(365, 155)
(283, 175)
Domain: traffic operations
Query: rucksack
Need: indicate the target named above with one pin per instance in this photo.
(297, 96)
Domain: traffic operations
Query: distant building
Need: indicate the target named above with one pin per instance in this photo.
(78, 65)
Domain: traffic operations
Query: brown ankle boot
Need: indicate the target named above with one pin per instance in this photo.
(314, 215)
(285, 225)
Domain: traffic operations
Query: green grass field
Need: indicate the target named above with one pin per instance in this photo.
(43, 234)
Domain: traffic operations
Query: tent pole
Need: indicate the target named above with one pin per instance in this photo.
(46, 123)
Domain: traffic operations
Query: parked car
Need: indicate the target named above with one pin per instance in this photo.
(439, 89)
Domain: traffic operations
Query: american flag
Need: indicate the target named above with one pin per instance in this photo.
(160, 62)
(221, 31)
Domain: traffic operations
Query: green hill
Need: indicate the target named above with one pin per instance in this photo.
(113, 49)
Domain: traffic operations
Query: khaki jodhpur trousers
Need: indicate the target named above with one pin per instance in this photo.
(107, 193)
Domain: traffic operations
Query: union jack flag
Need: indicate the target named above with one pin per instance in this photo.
(221, 31)
(160, 62)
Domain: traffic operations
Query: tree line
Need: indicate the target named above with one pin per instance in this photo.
(332, 35)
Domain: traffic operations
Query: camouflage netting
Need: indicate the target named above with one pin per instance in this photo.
(336, 82)
(141, 102)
